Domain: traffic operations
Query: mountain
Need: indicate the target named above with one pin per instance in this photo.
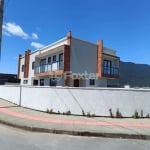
(135, 75)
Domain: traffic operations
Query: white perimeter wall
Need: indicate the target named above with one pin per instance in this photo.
(10, 93)
(94, 100)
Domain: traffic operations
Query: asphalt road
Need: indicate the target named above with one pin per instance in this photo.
(15, 139)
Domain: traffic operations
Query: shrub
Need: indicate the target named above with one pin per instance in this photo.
(118, 114)
(110, 112)
(88, 114)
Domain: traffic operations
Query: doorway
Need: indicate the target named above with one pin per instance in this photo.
(76, 83)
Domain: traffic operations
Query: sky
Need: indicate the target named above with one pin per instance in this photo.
(123, 25)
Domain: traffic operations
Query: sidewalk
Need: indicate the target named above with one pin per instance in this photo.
(32, 120)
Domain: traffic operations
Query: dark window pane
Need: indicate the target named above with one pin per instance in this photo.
(35, 82)
(53, 81)
(22, 69)
(41, 82)
(92, 81)
(49, 60)
(54, 58)
(33, 65)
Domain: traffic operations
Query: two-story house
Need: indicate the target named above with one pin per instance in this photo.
(69, 62)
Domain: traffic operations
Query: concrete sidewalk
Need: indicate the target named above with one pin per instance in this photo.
(32, 120)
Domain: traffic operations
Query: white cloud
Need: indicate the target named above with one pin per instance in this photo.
(37, 45)
(12, 29)
(34, 36)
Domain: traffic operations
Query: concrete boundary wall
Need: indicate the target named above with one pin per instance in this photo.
(96, 101)
(10, 93)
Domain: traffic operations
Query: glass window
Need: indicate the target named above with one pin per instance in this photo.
(33, 65)
(61, 57)
(54, 58)
(22, 69)
(49, 60)
(107, 66)
(53, 81)
(35, 82)
(92, 81)
(25, 81)
(43, 61)
(41, 82)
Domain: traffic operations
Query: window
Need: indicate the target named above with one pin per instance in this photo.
(43, 61)
(35, 82)
(49, 60)
(25, 81)
(92, 81)
(43, 65)
(41, 82)
(22, 68)
(61, 61)
(53, 82)
(61, 57)
(54, 58)
(33, 65)
(107, 64)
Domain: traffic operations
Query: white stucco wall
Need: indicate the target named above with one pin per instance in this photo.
(94, 100)
(10, 93)
(58, 43)
(83, 56)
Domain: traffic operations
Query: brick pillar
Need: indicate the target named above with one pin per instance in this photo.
(26, 63)
(19, 65)
(99, 58)
(67, 63)
(69, 38)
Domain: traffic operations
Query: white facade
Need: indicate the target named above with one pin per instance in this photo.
(68, 59)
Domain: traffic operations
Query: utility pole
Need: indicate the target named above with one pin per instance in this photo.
(1, 22)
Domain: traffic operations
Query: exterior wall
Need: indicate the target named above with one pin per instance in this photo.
(32, 59)
(97, 101)
(83, 56)
(101, 82)
(54, 45)
(10, 93)
(21, 73)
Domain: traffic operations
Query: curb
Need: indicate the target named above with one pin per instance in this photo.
(77, 133)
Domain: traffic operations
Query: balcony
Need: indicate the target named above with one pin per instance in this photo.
(111, 72)
(47, 69)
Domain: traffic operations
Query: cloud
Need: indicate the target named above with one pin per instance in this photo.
(37, 45)
(34, 36)
(12, 29)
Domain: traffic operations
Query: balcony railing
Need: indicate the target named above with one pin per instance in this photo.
(58, 65)
(111, 71)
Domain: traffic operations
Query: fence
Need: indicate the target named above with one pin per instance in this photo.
(97, 101)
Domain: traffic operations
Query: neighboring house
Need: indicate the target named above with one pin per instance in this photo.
(69, 62)
(8, 78)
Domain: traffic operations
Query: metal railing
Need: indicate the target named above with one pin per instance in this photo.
(111, 71)
(58, 65)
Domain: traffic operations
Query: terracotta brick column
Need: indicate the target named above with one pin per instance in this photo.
(99, 58)
(67, 63)
(19, 65)
(26, 63)
(69, 38)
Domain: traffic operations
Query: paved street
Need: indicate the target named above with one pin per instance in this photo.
(15, 139)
